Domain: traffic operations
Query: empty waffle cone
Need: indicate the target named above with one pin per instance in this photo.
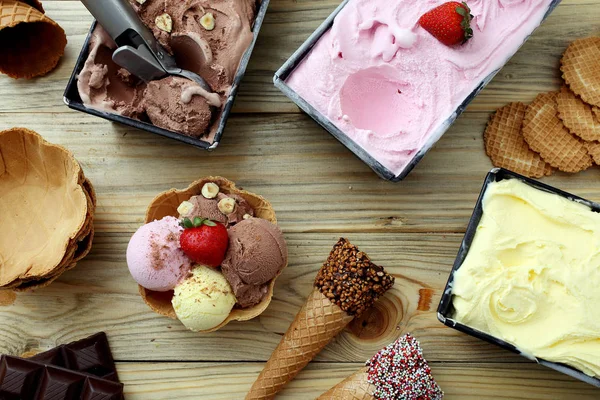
(44, 211)
(355, 387)
(31, 44)
(317, 323)
(165, 204)
(323, 316)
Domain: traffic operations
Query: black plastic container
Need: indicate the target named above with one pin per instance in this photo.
(290, 65)
(446, 308)
(72, 99)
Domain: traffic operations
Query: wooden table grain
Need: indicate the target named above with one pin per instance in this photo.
(320, 192)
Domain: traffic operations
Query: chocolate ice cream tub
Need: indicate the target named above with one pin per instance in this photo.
(73, 100)
(446, 308)
(298, 57)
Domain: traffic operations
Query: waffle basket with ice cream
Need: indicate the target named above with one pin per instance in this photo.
(208, 255)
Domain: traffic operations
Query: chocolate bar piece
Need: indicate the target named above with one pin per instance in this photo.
(91, 355)
(23, 379)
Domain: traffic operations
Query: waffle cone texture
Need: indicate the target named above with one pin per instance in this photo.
(506, 147)
(355, 387)
(581, 69)
(317, 323)
(166, 203)
(49, 220)
(31, 44)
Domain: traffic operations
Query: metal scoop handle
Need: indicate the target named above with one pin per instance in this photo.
(138, 50)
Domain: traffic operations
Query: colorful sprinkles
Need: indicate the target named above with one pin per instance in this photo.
(400, 372)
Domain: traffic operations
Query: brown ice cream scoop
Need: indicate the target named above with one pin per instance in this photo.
(168, 106)
(257, 252)
(31, 44)
(209, 208)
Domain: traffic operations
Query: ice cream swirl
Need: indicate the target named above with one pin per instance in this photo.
(531, 275)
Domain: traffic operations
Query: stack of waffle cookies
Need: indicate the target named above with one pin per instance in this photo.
(49, 223)
(558, 130)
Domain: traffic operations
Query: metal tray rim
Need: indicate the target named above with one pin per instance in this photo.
(225, 113)
(383, 172)
(445, 306)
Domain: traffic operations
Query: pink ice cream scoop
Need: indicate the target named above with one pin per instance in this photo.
(154, 257)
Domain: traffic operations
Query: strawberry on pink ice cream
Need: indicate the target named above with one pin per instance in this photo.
(391, 86)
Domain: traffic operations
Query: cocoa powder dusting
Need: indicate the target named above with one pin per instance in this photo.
(349, 279)
(156, 256)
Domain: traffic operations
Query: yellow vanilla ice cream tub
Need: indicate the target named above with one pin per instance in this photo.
(532, 275)
(203, 300)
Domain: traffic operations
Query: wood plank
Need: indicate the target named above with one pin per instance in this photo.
(232, 381)
(314, 183)
(100, 295)
(286, 27)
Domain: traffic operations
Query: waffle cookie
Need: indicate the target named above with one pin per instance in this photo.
(545, 133)
(577, 116)
(581, 69)
(505, 146)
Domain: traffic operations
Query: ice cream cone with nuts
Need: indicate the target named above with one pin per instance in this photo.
(347, 284)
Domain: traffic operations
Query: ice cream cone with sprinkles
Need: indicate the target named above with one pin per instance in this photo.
(397, 372)
(347, 284)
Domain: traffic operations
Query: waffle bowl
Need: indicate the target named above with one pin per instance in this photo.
(22, 28)
(165, 204)
(48, 206)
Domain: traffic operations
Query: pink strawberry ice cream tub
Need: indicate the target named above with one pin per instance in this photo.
(387, 88)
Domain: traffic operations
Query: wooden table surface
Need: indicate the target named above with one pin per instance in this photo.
(320, 192)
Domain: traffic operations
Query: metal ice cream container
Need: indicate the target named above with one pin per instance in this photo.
(446, 308)
(290, 65)
(73, 100)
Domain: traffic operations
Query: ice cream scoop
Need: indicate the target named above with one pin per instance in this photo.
(257, 252)
(138, 50)
(203, 300)
(154, 257)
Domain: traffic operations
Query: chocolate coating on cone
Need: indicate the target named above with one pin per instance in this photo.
(346, 285)
(351, 280)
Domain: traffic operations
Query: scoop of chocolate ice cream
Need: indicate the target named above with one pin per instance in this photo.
(257, 252)
(168, 106)
(209, 208)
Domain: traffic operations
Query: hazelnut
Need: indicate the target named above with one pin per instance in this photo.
(210, 190)
(185, 208)
(208, 21)
(227, 205)
(164, 23)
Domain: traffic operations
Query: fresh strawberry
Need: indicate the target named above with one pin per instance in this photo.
(204, 241)
(449, 23)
